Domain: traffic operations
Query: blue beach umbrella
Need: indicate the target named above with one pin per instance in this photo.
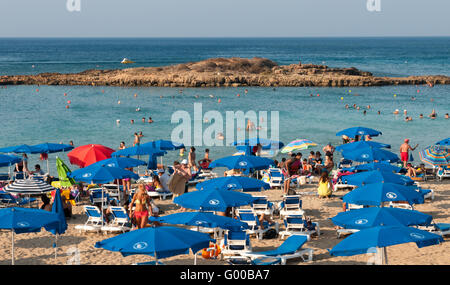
(370, 154)
(233, 183)
(202, 219)
(52, 147)
(159, 242)
(376, 176)
(377, 193)
(358, 131)
(101, 174)
(120, 162)
(369, 240)
(8, 160)
(164, 145)
(382, 166)
(245, 162)
(361, 144)
(20, 149)
(25, 220)
(444, 142)
(372, 217)
(213, 200)
(61, 227)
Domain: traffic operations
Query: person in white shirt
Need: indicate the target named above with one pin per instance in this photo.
(164, 179)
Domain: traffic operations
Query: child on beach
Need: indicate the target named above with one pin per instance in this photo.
(324, 190)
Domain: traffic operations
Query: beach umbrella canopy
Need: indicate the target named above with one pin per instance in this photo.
(361, 144)
(164, 145)
(120, 162)
(8, 160)
(88, 154)
(444, 142)
(298, 144)
(435, 155)
(101, 174)
(246, 162)
(139, 150)
(159, 242)
(233, 183)
(57, 208)
(382, 165)
(376, 176)
(25, 220)
(373, 217)
(202, 219)
(28, 187)
(213, 200)
(20, 149)
(367, 240)
(52, 147)
(63, 170)
(358, 131)
(377, 193)
(370, 154)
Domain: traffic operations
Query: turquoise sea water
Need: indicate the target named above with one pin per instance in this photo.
(30, 117)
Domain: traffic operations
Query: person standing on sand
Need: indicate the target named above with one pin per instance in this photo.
(404, 151)
(191, 159)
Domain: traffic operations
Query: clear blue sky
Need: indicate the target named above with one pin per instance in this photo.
(226, 18)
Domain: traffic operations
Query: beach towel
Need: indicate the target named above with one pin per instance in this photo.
(177, 183)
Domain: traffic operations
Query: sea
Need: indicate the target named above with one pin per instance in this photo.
(38, 114)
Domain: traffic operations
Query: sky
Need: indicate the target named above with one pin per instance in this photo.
(226, 18)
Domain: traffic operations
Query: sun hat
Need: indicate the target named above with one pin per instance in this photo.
(184, 161)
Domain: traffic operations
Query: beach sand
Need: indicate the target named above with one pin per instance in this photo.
(36, 248)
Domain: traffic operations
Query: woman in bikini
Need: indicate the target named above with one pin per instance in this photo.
(143, 209)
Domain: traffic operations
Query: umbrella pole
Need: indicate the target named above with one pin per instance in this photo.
(102, 206)
(48, 167)
(195, 258)
(12, 247)
(156, 258)
(56, 245)
(385, 259)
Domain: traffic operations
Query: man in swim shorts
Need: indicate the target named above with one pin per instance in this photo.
(404, 151)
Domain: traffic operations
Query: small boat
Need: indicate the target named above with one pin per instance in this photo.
(126, 61)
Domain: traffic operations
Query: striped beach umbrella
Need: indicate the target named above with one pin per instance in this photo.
(435, 155)
(298, 144)
(29, 187)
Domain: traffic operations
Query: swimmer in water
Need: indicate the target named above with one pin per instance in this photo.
(346, 106)
(421, 116)
(364, 112)
(379, 112)
(150, 120)
(433, 114)
(405, 112)
(396, 112)
(446, 115)
(143, 119)
(132, 121)
(138, 109)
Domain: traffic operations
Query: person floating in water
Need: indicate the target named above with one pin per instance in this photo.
(150, 120)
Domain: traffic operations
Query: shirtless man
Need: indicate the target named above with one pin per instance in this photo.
(433, 114)
(137, 138)
(404, 151)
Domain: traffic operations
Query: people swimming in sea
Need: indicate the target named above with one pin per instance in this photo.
(138, 109)
(132, 121)
(433, 114)
(150, 120)
(421, 116)
(446, 115)
(407, 119)
(396, 112)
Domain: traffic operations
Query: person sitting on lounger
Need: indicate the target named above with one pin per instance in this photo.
(411, 172)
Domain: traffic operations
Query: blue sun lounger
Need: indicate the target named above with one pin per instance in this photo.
(289, 249)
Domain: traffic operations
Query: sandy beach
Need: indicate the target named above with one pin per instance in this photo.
(36, 248)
